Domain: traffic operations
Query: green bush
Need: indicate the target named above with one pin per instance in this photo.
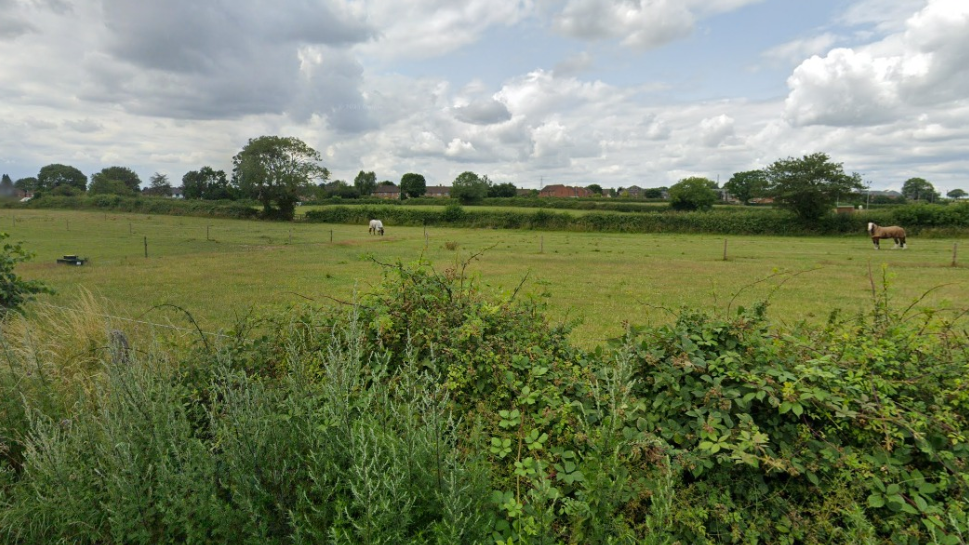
(432, 412)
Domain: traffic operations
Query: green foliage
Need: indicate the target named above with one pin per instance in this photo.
(746, 185)
(413, 185)
(430, 411)
(118, 174)
(503, 190)
(277, 171)
(28, 184)
(791, 435)
(101, 185)
(919, 189)
(54, 175)
(693, 194)
(365, 183)
(15, 292)
(810, 186)
(957, 194)
(207, 183)
(469, 188)
(151, 205)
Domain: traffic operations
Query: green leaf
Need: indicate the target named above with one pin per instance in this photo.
(876, 500)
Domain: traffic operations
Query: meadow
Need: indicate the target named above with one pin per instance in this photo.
(218, 270)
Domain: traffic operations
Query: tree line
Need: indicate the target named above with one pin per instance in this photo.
(280, 172)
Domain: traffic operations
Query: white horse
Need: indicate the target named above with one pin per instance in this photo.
(376, 227)
(893, 232)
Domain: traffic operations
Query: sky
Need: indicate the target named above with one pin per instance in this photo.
(531, 92)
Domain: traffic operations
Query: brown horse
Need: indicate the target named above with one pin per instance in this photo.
(893, 232)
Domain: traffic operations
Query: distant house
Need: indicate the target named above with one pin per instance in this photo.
(524, 192)
(560, 191)
(438, 191)
(387, 192)
(177, 193)
(635, 192)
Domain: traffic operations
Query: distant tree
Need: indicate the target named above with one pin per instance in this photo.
(159, 186)
(15, 291)
(413, 185)
(54, 175)
(276, 171)
(502, 190)
(103, 185)
(746, 185)
(693, 193)
(654, 192)
(122, 174)
(957, 194)
(811, 185)
(28, 184)
(339, 188)
(468, 188)
(919, 189)
(365, 182)
(65, 190)
(208, 184)
(596, 189)
(7, 188)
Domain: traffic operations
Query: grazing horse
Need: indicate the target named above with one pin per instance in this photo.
(376, 227)
(894, 232)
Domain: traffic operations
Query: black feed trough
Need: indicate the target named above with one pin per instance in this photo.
(72, 260)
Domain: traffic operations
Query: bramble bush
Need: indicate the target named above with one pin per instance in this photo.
(431, 411)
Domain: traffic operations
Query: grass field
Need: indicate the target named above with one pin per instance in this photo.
(219, 269)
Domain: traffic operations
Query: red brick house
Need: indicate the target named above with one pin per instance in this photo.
(438, 191)
(388, 192)
(559, 190)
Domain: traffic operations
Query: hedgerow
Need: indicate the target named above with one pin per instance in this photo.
(431, 411)
(150, 205)
(952, 219)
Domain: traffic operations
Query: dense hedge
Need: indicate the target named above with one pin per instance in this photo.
(949, 220)
(430, 412)
(150, 205)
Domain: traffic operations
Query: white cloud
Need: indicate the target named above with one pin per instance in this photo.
(798, 50)
(430, 28)
(926, 67)
(638, 24)
(715, 131)
(641, 24)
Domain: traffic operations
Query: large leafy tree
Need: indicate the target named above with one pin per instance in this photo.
(746, 185)
(104, 185)
(506, 189)
(811, 185)
(159, 186)
(122, 174)
(365, 182)
(919, 189)
(208, 184)
(276, 171)
(54, 175)
(957, 194)
(694, 193)
(469, 188)
(28, 184)
(413, 185)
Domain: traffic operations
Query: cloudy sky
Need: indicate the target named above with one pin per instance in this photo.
(532, 92)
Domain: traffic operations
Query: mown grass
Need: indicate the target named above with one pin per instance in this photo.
(218, 270)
